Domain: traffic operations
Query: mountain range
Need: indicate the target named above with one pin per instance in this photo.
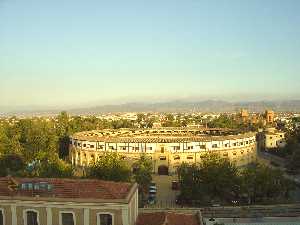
(171, 106)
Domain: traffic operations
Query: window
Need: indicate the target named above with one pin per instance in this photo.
(91, 146)
(104, 219)
(84, 145)
(31, 217)
(66, 218)
(234, 153)
(162, 149)
(225, 154)
(1, 217)
(214, 146)
(176, 157)
(176, 148)
(189, 157)
(162, 158)
(202, 146)
(190, 147)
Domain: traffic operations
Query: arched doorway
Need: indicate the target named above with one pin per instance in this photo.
(163, 170)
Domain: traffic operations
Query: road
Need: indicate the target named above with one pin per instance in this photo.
(165, 195)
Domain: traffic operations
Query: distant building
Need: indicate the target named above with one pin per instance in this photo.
(270, 138)
(244, 115)
(42, 201)
(156, 125)
(168, 148)
(269, 116)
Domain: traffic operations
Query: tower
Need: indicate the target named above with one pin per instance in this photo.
(269, 116)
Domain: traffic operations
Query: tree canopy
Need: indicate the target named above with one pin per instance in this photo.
(110, 166)
(217, 180)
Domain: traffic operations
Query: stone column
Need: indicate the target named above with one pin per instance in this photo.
(86, 216)
(49, 216)
(125, 217)
(14, 219)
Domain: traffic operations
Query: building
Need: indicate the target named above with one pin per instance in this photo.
(169, 218)
(269, 116)
(43, 201)
(166, 147)
(244, 115)
(270, 138)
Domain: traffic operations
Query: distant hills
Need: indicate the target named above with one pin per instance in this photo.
(171, 106)
(196, 106)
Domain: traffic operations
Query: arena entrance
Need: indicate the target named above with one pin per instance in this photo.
(163, 170)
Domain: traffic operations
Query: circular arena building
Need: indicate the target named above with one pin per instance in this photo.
(166, 147)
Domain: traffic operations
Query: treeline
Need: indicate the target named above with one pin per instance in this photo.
(229, 121)
(291, 152)
(110, 166)
(35, 137)
(216, 180)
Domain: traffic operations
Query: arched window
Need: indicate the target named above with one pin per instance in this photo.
(2, 219)
(31, 217)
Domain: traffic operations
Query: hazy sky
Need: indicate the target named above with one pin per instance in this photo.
(63, 52)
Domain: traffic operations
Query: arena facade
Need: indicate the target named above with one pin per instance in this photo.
(166, 147)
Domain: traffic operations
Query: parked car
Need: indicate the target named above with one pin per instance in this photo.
(151, 199)
(152, 190)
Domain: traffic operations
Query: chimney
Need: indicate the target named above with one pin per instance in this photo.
(12, 183)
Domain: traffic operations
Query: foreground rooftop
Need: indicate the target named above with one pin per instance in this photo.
(87, 190)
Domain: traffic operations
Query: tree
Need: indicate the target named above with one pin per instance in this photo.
(49, 166)
(110, 167)
(213, 179)
(11, 164)
(263, 184)
(142, 172)
(224, 121)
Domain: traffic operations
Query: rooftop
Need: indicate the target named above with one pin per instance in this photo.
(160, 135)
(167, 218)
(65, 189)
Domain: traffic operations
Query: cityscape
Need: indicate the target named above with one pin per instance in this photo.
(149, 112)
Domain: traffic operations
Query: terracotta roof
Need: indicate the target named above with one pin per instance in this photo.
(158, 135)
(167, 218)
(66, 188)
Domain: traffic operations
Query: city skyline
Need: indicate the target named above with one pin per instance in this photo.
(63, 53)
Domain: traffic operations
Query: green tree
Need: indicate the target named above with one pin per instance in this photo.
(213, 179)
(11, 164)
(110, 167)
(50, 166)
(142, 172)
(263, 184)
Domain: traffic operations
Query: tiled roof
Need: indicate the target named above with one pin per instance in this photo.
(167, 218)
(159, 135)
(66, 188)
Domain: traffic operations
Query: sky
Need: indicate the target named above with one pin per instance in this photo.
(68, 52)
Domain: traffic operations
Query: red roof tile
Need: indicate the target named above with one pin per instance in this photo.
(167, 218)
(68, 188)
